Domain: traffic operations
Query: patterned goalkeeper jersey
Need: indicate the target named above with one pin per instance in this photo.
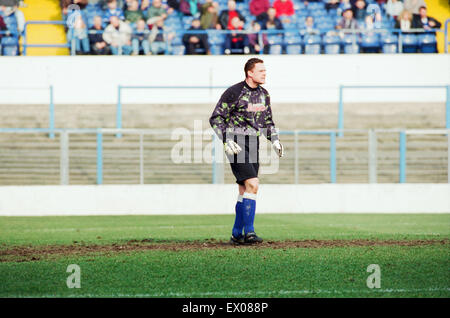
(245, 111)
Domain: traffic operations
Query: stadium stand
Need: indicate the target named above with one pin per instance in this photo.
(325, 18)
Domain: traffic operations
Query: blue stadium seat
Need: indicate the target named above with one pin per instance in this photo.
(331, 44)
(370, 43)
(409, 43)
(389, 43)
(427, 43)
(312, 44)
(178, 49)
(276, 43)
(293, 43)
(325, 27)
(216, 41)
(351, 44)
(319, 13)
(316, 6)
(298, 5)
(187, 20)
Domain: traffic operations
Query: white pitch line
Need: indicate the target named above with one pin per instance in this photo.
(253, 293)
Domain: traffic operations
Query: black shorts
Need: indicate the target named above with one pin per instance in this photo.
(245, 165)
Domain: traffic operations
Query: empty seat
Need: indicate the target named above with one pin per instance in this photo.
(312, 44)
(351, 44)
(370, 43)
(427, 43)
(331, 44)
(389, 43)
(409, 43)
(178, 49)
(293, 43)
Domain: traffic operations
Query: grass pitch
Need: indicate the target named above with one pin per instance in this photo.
(310, 255)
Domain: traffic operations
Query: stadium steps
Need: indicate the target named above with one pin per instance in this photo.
(44, 10)
(34, 158)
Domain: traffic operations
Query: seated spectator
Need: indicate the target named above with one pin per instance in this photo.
(3, 26)
(347, 21)
(133, 14)
(236, 41)
(422, 21)
(254, 40)
(209, 17)
(413, 6)
(196, 41)
(77, 35)
(359, 10)
(404, 21)
(97, 44)
(156, 11)
(226, 16)
(272, 22)
(258, 8)
(344, 5)
(139, 39)
(160, 38)
(12, 18)
(332, 5)
(394, 8)
(309, 27)
(284, 9)
(190, 8)
(112, 10)
(369, 24)
(118, 35)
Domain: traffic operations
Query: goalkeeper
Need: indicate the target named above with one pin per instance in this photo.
(241, 115)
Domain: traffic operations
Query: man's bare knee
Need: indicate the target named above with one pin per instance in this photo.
(251, 185)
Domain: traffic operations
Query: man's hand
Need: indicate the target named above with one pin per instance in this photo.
(278, 148)
(231, 148)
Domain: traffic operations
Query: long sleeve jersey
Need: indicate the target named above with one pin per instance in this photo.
(244, 110)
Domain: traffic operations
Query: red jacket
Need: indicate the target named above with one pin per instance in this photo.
(284, 8)
(259, 6)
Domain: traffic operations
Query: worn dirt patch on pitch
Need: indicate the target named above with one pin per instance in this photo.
(36, 253)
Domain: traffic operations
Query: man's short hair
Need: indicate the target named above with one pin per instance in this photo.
(251, 64)
(422, 7)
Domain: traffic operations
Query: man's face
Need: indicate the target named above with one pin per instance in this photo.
(348, 14)
(112, 5)
(309, 21)
(98, 22)
(156, 3)
(196, 23)
(114, 21)
(258, 73)
(271, 13)
(423, 12)
(140, 25)
(231, 5)
(360, 4)
(134, 5)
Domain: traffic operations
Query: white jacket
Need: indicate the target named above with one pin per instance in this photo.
(120, 37)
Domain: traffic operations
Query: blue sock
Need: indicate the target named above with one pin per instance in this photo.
(249, 203)
(239, 220)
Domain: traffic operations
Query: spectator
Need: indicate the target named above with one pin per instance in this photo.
(344, 5)
(422, 21)
(404, 21)
(413, 6)
(332, 5)
(309, 27)
(258, 8)
(174, 4)
(118, 35)
(236, 41)
(394, 8)
(157, 11)
(284, 8)
(3, 28)
(196, 41)
(139, 39)
(371, 24)
(133, 14)
(254, 40)
(226, 16)
(209, 17)
(160, 38)
(347, 21)
(97, 44)
(272, 22)
(190, 7)
(112, 10)
(78, 36)
(359, 10)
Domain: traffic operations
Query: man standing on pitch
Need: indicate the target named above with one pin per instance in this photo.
(241, 114)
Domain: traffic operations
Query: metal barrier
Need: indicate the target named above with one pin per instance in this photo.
(216, 178)
(341, 99)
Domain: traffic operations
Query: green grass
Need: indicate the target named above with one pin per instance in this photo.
(406, 271)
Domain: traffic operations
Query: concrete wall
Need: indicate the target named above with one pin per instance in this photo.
(220, 199)
(301, 78)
